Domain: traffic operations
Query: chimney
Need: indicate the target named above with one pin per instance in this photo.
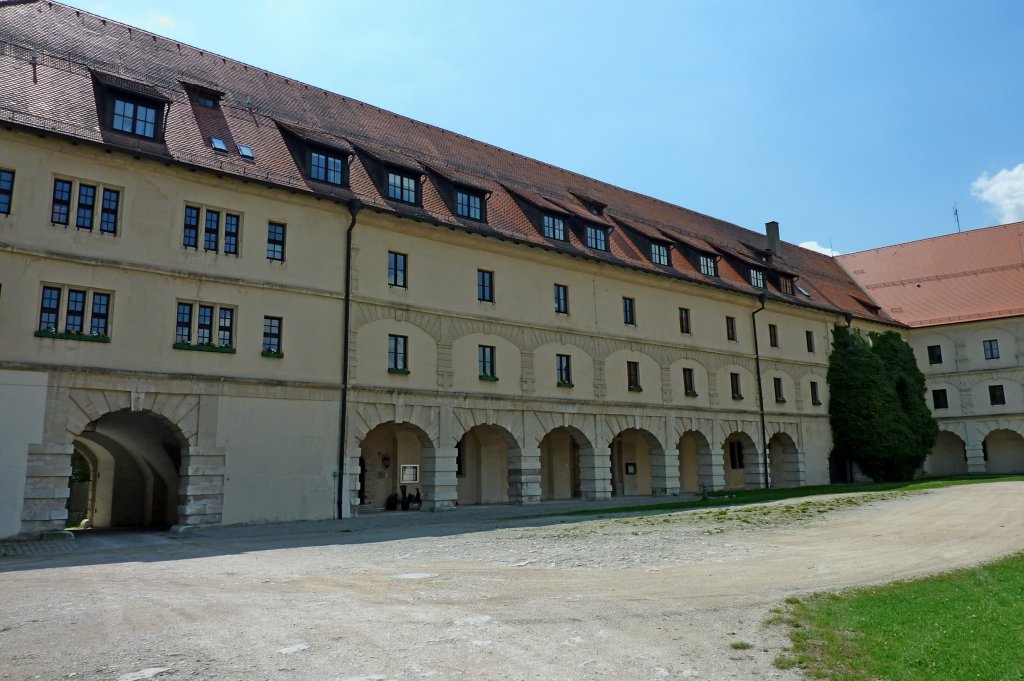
(771, 229)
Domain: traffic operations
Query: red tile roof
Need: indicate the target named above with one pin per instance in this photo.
(946, 279)
(260, 109)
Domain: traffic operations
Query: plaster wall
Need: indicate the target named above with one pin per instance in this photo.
(23, 406)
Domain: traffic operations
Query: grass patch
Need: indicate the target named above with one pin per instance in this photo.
(740, 645)
(958, 626)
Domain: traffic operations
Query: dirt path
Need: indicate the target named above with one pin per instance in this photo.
(658, 597)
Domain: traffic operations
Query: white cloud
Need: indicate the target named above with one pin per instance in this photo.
(1004, 191)
(815, 246)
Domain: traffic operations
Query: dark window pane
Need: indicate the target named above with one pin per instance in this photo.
(231, 233)
(61, 202)
(190, 238)
(108, 215)
(49, 309)
(86, 206)
(74, 320)
(100, 314)
(211, 234)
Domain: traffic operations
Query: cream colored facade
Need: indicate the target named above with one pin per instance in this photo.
(176, 436)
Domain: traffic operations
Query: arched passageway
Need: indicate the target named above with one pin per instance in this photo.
(129, 462)
(482, 461)
(694, 463)
(1004, 452)
(392, 457)
(560, 463)
(632, 452)
(948, 456)
(785, 461)
(739, 455)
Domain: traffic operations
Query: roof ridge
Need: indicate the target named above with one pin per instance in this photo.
(963, 234)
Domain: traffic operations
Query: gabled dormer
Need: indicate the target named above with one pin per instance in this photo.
(321, 158)
(129, 107)
(465, 200)
(593, 206)
(551, 221)
(648, 241)
(398, 179)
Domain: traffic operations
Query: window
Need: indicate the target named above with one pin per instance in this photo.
(773, 335)
(757, 278)
(61, 202)
(734, 385)
(134, 117)
(204, 329)
(218, 144)
(326, 168)
(597, 238)
(85, 314)
(402, 187)
(996, 395)
(815, 400)
(730, 328)
(689, 387)
(485, 286)
(684, 320)
(207, 326)
(231, 234)
(190, 237)
(396, 269)
(86, 206)
(563, 371)
(633, 376)
(219, 235)
(629, 311)
(469, 204)
(226, 327)
(398, 358)
(659, 254)
(786, 285)
(561, 299)
(809, 337)
(708, 265)
(780, 395)
(554, 228)
(204, 100)
(485, 359)
(939, 399)
(736, 455)
(108, 214)
(246, 152)
(6, 191)
(183, 329)
(272, 336)
(935, 354)
(275, 241)
(991, 349)
(211, 233)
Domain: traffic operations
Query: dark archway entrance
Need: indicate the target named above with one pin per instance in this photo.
(560, 463)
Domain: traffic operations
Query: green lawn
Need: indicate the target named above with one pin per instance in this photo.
(963, 625)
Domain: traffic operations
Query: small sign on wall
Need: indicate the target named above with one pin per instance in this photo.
(630, 469)
(409, 473)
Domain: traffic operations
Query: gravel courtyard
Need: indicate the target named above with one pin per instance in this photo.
(470, 596)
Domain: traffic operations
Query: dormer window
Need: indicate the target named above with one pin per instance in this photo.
(204, 100)
(246, 152)
(786, 285)
(403, 187)
(659, 254)
(469, 204)
(756, 278)
(218, 144)
(596, 238)
(325, 167)
(134, 117)
(709, 265)
(554, 228)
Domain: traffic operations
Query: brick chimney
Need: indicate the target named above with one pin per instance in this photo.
(771, 229)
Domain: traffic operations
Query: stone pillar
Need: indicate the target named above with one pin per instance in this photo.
(438, 467)
(596, 473)
(665, 473)
(796, 470)
(976, 459)
(46, 489)
(753, 468)
(201, 487)
(524, 475)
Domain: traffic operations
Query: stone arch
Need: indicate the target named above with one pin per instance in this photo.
(1003, 450)
(787, 461)
(638, 465)
(948, 455)
(696, 463)
(561, 456)
(486, 466)
(393, 455)
(743, 467)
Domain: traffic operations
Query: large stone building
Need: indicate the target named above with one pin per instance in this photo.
(227, 296)
(962, 297)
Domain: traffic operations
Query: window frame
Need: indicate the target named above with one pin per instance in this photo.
(561, 292)
(116, 96)
(730, 329)
(633, 376)
(940, 392)
(88, 313)
(780, 389)
(6, 190)
(213, 329)
(276, 246)
(398, 264)
(773, 335)
(402, 187)
(689, 382)
(684, 321)
(990, 348)
(329, 158)
(809, 340)
(629, 311)
(272, 338)
(485, 286)
(787, 285)
(563, 371)
(553, 227)
(997, 395)
(109, 216)
(465, 209)
(815, 397)
(735, 385)
(707, 265)
(214, 237)
(596, 238)
(756, 277)
(934, 354)
(660, 254)
(736, 455)
(398, 354)
(487, 362)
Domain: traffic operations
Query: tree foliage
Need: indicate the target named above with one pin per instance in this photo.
(877, 405)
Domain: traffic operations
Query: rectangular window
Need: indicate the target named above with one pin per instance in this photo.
(190, 237)
(734, 385)
(939, 399)
(485, 286)
(108, 214)
(708, 265)
(554, 228)
(629, 311)
(561, 299)
(633, 376)
(211, 233)
(49, 309)
(74, 319)
(780, 396)
(736, 455)
(396, 269)
(684, 320)
(275, 241)
(757, 278)
(6, 191)
(786, 285)
(99, 325)
(773, 335)
(398, 359)
(485, 359)
(659, 254)
(226, 328)
(597, 238)
(402, 188)
(809, 337)
(815, 399)
(86, 206)
(996, 395)
(61, 202)
(231, 234)
(134, 118)
(563, 370)
(183, 328)
(689, 387)
(935, 354)
(730, 328)
(991, 349)
(272, 334)
(212, 326)
(326, 168)
(469, 205)
(204, 329)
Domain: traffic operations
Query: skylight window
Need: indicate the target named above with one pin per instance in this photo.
(218, 144)
(246, 152)
(802, 290)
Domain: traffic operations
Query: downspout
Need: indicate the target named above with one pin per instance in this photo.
(760, 393)
(344, 504)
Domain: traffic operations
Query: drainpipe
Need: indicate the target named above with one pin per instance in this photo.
(760, 393)
(344, 505)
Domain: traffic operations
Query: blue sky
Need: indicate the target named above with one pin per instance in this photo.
(855, 124)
